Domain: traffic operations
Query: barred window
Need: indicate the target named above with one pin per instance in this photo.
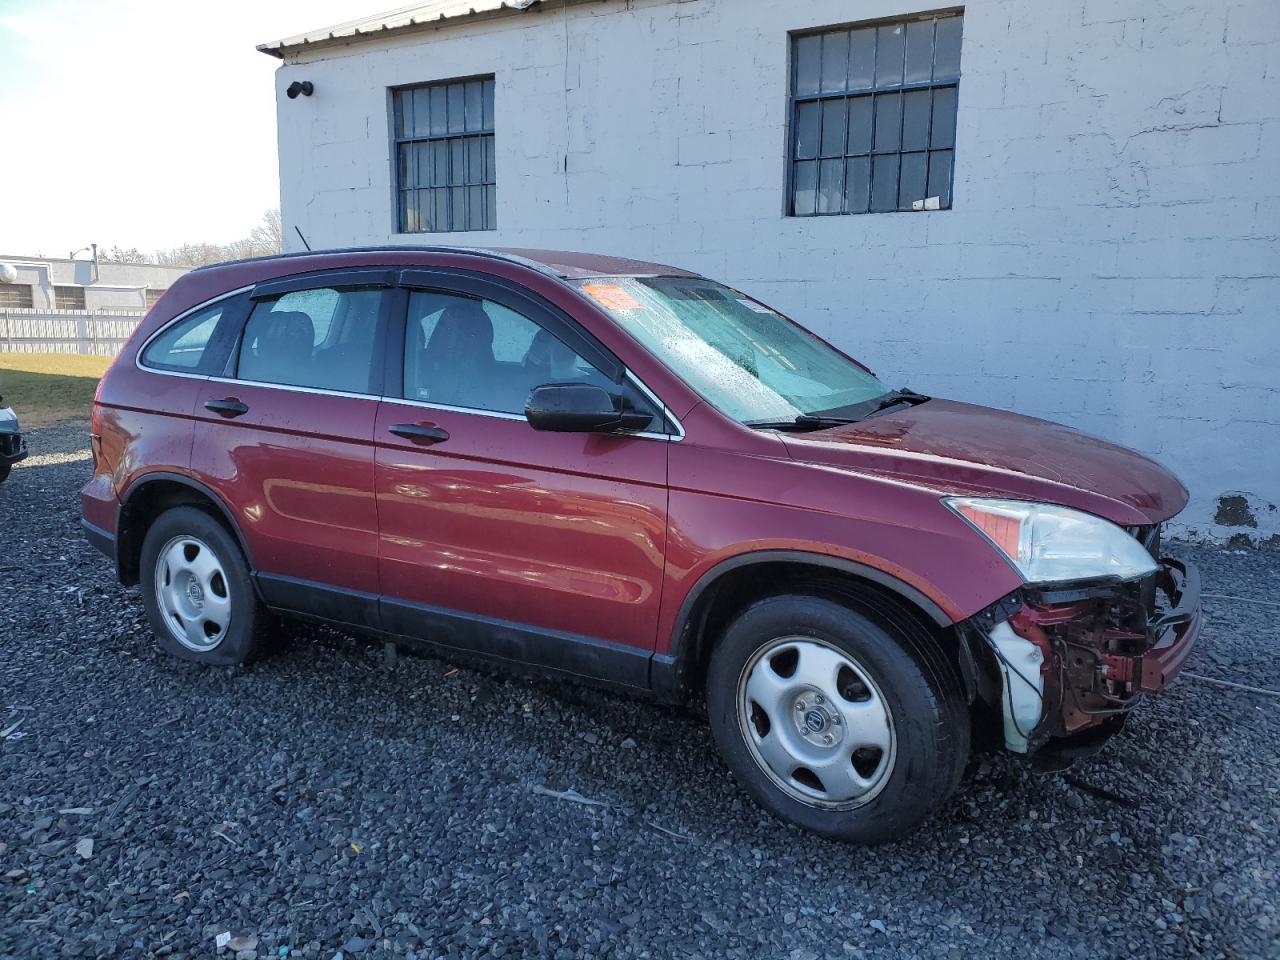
(68, 298)
(444, 156)
(17, 295)
(873, 118)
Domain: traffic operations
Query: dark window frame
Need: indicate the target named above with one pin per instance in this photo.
(409, 188)
(876, 94)
(61, 290)
(28, 303)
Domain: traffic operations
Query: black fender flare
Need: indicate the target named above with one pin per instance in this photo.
(139, 483)
(669, 670)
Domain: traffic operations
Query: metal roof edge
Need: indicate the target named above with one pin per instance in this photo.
(338, 36)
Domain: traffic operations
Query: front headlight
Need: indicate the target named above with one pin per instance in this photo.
(1051, 544)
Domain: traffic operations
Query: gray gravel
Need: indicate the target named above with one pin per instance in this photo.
(318, 802)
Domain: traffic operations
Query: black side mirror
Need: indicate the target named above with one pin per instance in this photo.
(581, 408)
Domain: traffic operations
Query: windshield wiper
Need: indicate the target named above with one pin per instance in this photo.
(804, 421)
(894, 398)
(816, 421)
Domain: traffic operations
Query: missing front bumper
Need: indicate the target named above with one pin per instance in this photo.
(1064, 669)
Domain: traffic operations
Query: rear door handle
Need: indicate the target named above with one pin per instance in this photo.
(230, 407)
(419, 433)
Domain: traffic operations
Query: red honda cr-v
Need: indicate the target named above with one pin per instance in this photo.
(626, 472)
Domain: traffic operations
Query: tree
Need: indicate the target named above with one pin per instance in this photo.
(120, 255)
(263, 240)
(270, 233)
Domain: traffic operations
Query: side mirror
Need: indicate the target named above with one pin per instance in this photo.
(581, 408)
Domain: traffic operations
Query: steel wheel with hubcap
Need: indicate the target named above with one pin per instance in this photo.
(193, 593)
(840, 715)
(199, 598)
(816, 722)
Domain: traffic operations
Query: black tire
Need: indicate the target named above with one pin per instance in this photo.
(244, 636)
(930, 722)
(5, 468)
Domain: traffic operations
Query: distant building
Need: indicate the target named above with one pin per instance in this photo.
(56, 284)
(52, 305)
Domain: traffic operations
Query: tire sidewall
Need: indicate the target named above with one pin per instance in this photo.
(921, 777)
(238, 642)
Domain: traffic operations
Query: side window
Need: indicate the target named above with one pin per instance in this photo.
(464, 352)
(322, 338)
(184, 346)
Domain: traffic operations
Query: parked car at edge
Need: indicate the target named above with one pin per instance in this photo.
(13, 448)
(631, 474)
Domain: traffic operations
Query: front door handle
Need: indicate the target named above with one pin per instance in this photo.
(419, 433)
(230, 407)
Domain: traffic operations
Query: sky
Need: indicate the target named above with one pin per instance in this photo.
(142, 123)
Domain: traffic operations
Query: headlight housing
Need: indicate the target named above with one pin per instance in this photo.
(1052, 544)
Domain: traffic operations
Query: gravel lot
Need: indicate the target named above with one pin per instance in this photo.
(319, 803)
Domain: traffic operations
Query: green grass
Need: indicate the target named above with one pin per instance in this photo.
(44, 388)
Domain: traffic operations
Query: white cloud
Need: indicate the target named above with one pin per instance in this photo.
(141, 122)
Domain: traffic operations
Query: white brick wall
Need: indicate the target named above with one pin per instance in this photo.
(1112, 260)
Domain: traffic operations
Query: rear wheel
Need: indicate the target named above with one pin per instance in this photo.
(5, 467)
(834, 721)
(197, 591)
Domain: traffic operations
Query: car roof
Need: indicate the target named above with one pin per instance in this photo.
(565, 264)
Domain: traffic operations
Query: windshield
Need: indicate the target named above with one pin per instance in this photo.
(747, 359)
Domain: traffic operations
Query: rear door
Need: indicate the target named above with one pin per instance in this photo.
(534, 546)
(286, 437)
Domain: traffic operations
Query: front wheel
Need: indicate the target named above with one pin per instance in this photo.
(197, 591)
(835, 722)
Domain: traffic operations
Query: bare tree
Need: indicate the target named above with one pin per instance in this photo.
(263, 240)
(270, 233)
(120, 255)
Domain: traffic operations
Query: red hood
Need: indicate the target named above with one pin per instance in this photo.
(961, 448)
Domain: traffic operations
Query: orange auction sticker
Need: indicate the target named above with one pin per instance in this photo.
(611, 296)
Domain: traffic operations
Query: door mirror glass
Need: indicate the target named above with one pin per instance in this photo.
(581, 408)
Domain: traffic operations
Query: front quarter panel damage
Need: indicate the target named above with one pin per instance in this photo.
(1066, 667)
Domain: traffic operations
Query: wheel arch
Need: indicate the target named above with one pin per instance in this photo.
(732, 583)
(150, 495)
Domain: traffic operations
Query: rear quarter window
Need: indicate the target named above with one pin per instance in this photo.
(186, 345)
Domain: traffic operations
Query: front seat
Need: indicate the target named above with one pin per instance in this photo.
(281, 343)
(457, 365)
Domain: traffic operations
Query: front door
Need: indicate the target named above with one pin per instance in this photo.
(286, 437)
(528, 545)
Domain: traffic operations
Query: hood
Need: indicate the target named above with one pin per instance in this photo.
(965, 449)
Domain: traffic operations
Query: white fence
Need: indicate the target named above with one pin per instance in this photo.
(102, 332)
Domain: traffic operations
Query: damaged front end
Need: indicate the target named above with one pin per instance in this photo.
(1064, 666)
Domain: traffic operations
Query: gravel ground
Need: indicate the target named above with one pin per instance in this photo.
(319, 803)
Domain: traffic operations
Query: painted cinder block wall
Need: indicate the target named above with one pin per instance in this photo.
(1112, 260)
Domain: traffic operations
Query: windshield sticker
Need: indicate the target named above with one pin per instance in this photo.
(611, 296)
(756, 307)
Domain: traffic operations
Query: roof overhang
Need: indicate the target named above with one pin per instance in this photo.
(420, 17)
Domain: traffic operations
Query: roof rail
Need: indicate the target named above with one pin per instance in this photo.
(396, 248)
